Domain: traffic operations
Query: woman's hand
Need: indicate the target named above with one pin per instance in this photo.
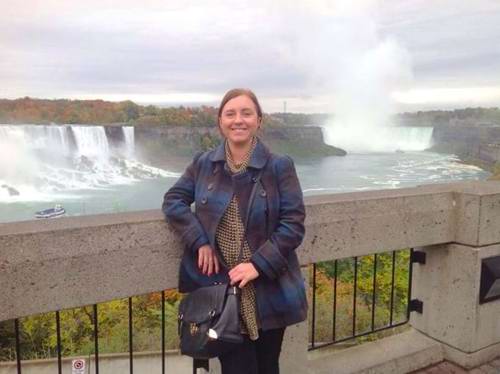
(207, 260)
(243, 273)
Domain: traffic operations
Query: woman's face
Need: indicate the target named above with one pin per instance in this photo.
(239, 121)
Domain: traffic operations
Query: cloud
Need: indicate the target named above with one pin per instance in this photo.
(294, 51)
(450, 42)
(139, 51)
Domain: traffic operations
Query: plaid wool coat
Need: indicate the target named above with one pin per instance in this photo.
(274, 227)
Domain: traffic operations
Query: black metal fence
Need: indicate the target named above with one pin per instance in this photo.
(359, 296)
(16, 326)
(349, 299)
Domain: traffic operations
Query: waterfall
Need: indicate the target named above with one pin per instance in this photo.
(58, 136)
(37, 137)
(17, 160)
(412, 138)
(128, 133)
(38, 161)
(91, 141)
(362, 139)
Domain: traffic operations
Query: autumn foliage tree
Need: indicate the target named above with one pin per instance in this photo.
(36, 111)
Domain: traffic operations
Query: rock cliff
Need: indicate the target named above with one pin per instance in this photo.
(476, 143)
(155, 143)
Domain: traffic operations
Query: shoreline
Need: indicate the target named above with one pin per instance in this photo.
(494, 169)
(466, 157)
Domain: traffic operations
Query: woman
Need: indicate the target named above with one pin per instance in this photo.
(250, 246)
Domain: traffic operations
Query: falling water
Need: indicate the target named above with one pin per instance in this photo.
(40, 162)
(366, 139)
(91, 141)
(128, 133)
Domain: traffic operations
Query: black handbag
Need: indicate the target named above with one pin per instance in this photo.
(209, 317)
(209, 323)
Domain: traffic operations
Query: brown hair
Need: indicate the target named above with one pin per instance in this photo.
(235, 92)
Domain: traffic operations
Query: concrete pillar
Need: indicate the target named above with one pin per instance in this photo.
(293, 357)
(448, 285)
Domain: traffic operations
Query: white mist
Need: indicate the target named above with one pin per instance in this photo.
(341, 51)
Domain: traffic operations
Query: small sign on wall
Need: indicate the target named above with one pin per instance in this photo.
(78, 366)
(489, 288)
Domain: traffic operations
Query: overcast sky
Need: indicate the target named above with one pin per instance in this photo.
(315, 55)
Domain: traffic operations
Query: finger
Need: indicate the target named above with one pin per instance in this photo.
(210, 264)
(213, 259)
(232, 280)
(236, 278)
(234, 274)
(200, 258)
(216, 264)
(243, 283)
(205, 264)
(234, 270)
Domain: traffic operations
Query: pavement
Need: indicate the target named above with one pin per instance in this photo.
(445, 367)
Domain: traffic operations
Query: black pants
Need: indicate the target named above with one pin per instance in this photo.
(255, 357)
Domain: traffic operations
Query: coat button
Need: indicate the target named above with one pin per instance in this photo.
(254, 179)
(204, 200)
(210, 187)
(263, 193)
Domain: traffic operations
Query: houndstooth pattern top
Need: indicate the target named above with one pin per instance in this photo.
(229, 236)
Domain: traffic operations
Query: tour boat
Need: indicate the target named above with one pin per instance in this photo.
(56, 211)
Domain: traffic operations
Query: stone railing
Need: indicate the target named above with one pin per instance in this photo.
(64, 263)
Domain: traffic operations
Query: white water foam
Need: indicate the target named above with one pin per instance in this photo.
(38, 163)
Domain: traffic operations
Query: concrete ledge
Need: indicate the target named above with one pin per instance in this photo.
(144, 362)
(471, 360)
(83, 261)
(76, 261)
(396, 354)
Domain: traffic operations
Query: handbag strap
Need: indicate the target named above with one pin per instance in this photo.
(251, 199)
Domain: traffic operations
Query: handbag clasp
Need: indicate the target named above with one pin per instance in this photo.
(193, 329)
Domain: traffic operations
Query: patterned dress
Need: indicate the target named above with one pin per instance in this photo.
(229, 237)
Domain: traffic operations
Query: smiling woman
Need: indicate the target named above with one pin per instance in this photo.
(240, 117)
(248, 221)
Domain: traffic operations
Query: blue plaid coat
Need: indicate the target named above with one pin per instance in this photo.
(274, 226)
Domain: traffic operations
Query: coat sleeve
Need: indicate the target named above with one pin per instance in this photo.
(177, 209)
(272, 257)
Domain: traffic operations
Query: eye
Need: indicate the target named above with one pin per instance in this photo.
(229, 114)
(248, 113)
